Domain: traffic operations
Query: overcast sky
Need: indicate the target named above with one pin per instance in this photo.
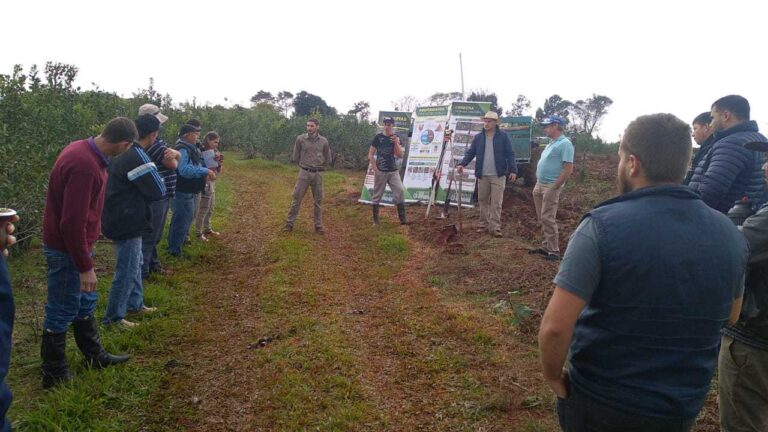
(648, 56)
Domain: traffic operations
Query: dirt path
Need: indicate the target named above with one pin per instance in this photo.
(347, 331)
(374, 329)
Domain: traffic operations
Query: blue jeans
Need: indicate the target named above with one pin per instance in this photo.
(150, 239)
(6, 329)
(127, 290)
(581, 413)
(65, 300)
(183, 215)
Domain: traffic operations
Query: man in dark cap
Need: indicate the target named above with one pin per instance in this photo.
(190, 180)
(385, 147)
(132, 185)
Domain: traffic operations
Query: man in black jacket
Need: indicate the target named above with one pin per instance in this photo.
(704, 137)
(132, 184)
(495, 164)
(729, 172)
(743, 362)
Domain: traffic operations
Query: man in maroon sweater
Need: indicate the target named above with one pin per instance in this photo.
(71, 225)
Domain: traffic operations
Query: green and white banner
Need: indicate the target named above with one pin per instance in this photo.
(402, 127)
(424, 151)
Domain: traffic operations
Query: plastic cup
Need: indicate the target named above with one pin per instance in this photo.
(6, 215)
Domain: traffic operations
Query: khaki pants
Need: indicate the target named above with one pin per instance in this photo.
(307, 180)
(546, 199)
(207, 201)
(490, 194)
(743, 387)
(392, 178)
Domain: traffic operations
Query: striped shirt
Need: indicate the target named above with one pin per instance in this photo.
(156, 153)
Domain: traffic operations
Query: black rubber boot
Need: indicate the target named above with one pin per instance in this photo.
(87, 339)
(375, 214)
(53, 352)
(401, 214)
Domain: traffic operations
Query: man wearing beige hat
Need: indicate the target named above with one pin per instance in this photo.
(495, 164)
(166, 159)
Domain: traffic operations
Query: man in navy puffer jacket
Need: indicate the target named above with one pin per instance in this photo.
(729, 172)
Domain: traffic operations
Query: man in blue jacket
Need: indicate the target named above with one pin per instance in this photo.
(729, 172)
(704, 136)
(641, 295)
(6, 322)
(494, 166)
(190, 181)
(132, 185)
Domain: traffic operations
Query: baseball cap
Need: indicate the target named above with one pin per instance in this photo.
(388, 120)
(553, 119)
(146, 124)
(187, 128)
(153, 110)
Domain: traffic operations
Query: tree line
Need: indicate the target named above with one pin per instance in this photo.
(42, 110)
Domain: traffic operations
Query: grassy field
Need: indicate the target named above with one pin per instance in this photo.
(114, 399)
(364, 328)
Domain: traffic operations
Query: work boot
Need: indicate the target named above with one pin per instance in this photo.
(87, 339)
(375, 214)
(401, 214)
(52, 351)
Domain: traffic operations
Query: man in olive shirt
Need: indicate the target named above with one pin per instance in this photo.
(310, 151)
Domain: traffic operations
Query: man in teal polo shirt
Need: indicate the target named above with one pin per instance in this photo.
(553, 170)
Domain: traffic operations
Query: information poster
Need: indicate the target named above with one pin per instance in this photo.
(402, 128)
(424, 151)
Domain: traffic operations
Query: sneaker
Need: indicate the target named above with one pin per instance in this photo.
(540, 251)
(144, 310)
(288, 228)
(213, 233)
(202, 237)
(481, 229)
(498, 234)
(319, 230)
(552, 257)
(161, 271)
(124, 323)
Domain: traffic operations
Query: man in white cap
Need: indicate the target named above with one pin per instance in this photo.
(166, 159)
(553, 170)
(495, 164)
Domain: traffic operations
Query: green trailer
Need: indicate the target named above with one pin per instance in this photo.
(518, 129)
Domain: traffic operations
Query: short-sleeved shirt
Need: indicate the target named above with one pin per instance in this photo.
(580, 268)
(385, 153)
(551, 163)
